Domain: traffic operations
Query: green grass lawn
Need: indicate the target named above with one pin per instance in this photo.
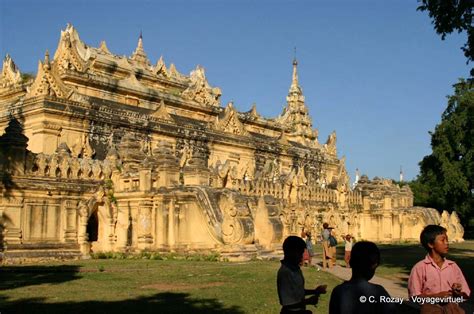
(181, 286)
(148, 286)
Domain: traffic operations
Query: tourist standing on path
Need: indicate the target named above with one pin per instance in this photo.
(348, 240)
(358, 295)
(309, 252)
(290, 280)
(327, 256)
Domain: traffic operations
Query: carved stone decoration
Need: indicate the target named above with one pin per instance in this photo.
(330, 145)
(145, 238)
(252, 114)
(225, 173)
(237, 226)
(161, 113)
(270, 170)
(130, 152)
(103, 48)
(160, 68)
(174, 74)
(46, 83)
(200, 91)
(283, 139)
(230, 122)
(41, 163)
(68, 55)
(10, 73)
(342, 184)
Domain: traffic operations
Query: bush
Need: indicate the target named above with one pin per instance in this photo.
(159, 256)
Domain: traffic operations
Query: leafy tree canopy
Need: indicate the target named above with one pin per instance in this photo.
(452, 15)
(446, 179)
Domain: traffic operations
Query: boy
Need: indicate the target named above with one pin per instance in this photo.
(436, 276)
(358, 295)
(290, 280)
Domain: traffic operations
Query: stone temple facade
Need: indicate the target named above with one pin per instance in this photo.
(112, 153)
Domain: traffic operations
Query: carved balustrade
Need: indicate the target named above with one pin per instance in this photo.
(354, 199)
(67, 167)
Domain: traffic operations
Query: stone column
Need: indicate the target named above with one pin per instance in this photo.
(2, 230)
(122, 226)
(171, 222)
(387, 201)
(145, 238)
(83, 237)
(167, 165)
(387, 225)
(145, 177)
(13, 208)
(196, 172)
(70, 231)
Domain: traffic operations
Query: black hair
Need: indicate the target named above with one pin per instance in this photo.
(429, 234)
(364, 255)
(293, 244)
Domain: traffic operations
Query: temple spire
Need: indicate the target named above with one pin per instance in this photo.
(140, 41)
(46, 57)
(295, 86)
(139, 54)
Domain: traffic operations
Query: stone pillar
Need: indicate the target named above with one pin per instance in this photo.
(83, 237)
(167, 165)
(13, 209)
(145, 178)
(145, 238)
(2, 231)
(387, 201)
(160, 213)
(387, 226)
(70, 231)
(196, 171)
(171, 224)
(366, 202)
(122, 226)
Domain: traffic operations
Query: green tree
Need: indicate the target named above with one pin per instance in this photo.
(446, 179)
(452, 15)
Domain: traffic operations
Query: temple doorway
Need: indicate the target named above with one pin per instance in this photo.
(93, 227)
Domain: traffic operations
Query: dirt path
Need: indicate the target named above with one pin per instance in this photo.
(394, 289)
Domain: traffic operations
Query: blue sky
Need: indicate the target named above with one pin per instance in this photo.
(374, 71)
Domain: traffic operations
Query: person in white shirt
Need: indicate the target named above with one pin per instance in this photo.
(348, 240)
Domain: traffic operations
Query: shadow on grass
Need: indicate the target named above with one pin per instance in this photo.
(12, 277)
(165, 302)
